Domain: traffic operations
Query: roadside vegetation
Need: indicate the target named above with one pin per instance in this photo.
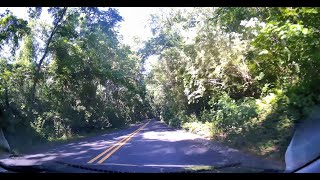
(241, 76)
(68, 77)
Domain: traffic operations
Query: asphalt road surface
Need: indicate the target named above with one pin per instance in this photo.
(150, 146)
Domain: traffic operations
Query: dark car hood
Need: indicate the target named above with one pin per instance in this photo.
(64, 167)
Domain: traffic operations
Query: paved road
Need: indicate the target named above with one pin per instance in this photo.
(150, 146)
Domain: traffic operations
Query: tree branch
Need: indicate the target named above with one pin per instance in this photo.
(36, 77)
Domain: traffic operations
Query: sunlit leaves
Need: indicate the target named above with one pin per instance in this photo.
(12, 29)
(233, 51)
(287, 48)
(34, 12)
(88, 81)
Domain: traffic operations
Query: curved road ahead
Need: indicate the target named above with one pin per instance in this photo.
(150, 146)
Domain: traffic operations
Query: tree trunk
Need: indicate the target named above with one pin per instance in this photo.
(36, 77)
(3, 142)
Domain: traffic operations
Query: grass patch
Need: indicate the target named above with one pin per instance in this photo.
(261, 127)
(202, 129)
(262, 140)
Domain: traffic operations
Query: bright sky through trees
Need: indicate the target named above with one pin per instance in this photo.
(134, 25)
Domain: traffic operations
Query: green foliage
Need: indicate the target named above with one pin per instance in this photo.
(11, 30)
(247, 74)
(87, 81)
(240, 75)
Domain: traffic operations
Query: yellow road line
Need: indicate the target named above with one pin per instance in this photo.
(114, 150)
(104, 152)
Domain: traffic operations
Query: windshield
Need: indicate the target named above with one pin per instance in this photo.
(198, 89)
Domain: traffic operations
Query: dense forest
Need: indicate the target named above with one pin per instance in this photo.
(242, 76)
(68, 77)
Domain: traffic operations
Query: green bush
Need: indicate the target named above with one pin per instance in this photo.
(206, 116)
(203, 129)
(174, 122)
(230, 115)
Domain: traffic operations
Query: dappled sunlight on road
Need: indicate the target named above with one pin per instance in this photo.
(158, 145)
(170, 136)
(161, 132)
(195, 150)
(37, 159)
(31, 160)
(153, 148)
(76, 152)
(168, 150)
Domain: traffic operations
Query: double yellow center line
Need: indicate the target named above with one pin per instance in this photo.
(116, 146)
